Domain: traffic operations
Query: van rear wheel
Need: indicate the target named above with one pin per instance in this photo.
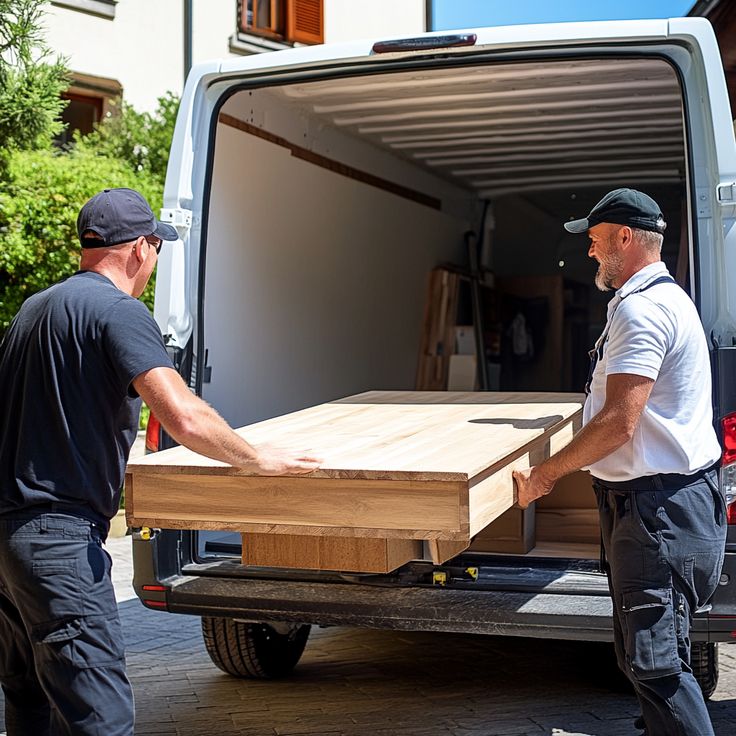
(254, 650)
(704, 662)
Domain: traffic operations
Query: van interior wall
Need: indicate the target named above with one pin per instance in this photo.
(315, 282)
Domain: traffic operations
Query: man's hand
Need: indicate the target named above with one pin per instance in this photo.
(275, 461)
(531, 484)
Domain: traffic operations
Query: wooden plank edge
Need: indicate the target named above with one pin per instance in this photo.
(371, 475)
(202, 525)
(526, 449)
(128, 487)
(441, 550)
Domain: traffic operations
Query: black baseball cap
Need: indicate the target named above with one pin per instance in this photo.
(622, 207)
(119, 216)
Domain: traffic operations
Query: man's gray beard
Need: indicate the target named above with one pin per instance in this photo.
(607, 272)
(600, 280)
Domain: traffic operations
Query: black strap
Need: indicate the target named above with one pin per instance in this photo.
(596, 353)
(660, 280)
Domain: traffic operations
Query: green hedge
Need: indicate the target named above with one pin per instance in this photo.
(40, 198)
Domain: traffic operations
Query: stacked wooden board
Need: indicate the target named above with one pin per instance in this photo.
(399, 467)
(438, 330)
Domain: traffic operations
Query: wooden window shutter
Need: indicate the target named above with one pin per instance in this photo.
(305, 21)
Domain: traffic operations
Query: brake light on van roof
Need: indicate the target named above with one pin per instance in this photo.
(153, 434)
(728, 464)
(425, 43)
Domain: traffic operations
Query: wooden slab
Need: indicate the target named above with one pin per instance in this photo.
(347, 554)
(397, 465)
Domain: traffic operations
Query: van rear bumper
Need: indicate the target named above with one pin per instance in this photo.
(407, 609)
(227, 590)
(551, 616)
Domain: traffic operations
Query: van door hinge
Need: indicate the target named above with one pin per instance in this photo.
(180, 218)
(703, 197)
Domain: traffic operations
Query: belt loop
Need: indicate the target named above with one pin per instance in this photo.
(657, 482)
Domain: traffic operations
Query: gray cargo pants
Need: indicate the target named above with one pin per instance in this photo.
(664, 539)
(62, 665)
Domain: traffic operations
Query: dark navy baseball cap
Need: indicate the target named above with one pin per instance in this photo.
(622, 207)
(118, 216)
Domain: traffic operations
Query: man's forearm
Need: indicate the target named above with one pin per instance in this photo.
(196, 425)
(597, 439)
(204, 431)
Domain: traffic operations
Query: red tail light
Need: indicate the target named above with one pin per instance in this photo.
(732, 512)
(153, 434)
(729, 439)
(728, 465)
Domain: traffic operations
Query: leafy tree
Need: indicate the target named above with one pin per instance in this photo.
(30, 84)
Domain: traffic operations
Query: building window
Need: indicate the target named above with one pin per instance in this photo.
(89, 100)
(103, 8)
(294, 21)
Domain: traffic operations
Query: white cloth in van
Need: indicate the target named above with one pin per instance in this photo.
(657, 333)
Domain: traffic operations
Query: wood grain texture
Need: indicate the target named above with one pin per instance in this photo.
(395, 435)
(513, 532)
(400, 509)
(398, 465)
(441, 551)
(565, 549)
(568, 525)
(349, 554)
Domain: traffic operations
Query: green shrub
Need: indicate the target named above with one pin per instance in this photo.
(142, 139)
(40, 199)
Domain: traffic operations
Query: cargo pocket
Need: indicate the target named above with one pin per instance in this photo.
(101, 642)
(52, 646)
(57, 631)
(649, 633)
(82, 643)
(57, 589)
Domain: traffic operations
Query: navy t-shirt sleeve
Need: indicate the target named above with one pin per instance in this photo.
(133, 343)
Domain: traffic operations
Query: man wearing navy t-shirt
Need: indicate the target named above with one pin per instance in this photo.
(649, 443)
(74, 365)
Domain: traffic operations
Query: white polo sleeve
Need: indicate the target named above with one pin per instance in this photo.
(639, 338)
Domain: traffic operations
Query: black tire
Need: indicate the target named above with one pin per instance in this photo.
(704, 661)
(253, 650)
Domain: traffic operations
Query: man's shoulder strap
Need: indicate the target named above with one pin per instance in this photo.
(660, 280)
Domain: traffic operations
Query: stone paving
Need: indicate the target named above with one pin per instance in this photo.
(376, 683)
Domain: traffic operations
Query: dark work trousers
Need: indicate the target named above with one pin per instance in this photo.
(62, 664)
(665, 545)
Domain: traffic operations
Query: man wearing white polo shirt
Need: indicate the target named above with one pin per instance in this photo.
(649, 443)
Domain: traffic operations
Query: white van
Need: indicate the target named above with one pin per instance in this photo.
(315, 189)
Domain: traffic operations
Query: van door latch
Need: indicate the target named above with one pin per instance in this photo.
(726, 193)
(180, 218)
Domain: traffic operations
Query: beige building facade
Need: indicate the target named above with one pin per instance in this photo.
(139, 49)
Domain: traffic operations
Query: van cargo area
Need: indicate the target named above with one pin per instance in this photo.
(330, 202)
(372, 217)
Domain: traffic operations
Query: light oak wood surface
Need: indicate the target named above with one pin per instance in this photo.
(397, 465)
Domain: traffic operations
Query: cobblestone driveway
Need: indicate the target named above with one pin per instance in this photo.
(377, 683)
(361, 682)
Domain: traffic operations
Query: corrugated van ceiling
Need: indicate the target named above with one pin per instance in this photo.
(535, 126)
